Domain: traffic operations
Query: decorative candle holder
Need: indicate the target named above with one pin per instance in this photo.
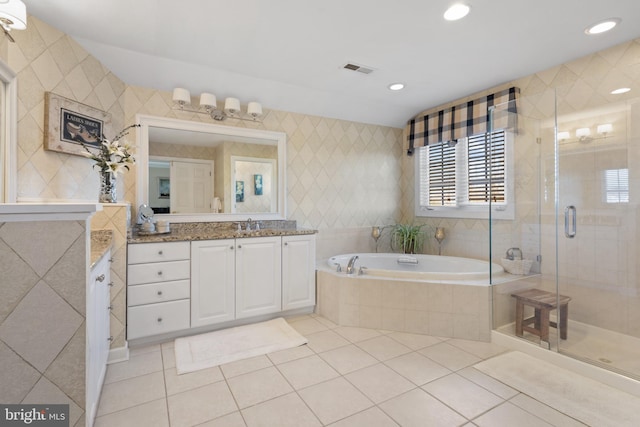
(376, 232)
(439, 237)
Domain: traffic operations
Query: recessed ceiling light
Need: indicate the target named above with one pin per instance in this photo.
(621, 90)
(602, 26)
(456, 11)
(396, 86)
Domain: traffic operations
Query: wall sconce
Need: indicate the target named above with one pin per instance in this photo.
(208, 105)
(13, 16)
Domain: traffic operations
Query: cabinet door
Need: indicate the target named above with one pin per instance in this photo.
(212, 281)
(258, 276)
(298, 271)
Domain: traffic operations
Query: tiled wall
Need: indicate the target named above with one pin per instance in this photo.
(41, 286)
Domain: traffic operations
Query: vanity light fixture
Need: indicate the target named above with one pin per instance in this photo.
(620, 91)
(563, 136)
(13, 16)
(583, 134)
(602, 26)
(456, 11)
(208, 105)
(604, 129)
(396, 86)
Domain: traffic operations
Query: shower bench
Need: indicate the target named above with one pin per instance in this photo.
(542, 302)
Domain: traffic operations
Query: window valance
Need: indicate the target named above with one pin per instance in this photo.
(460, 121)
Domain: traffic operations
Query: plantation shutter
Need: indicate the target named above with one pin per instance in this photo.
(616, 185)
(439, 174)
(486, 168)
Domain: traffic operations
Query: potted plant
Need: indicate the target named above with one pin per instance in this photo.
(408, 237)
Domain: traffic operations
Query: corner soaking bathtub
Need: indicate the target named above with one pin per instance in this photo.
(423, 294)
(419, 267)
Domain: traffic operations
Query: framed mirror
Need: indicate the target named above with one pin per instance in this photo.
(189, 171)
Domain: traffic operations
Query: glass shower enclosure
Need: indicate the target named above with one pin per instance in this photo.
(577, 178)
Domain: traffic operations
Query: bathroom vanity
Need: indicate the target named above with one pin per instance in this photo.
(207, 276)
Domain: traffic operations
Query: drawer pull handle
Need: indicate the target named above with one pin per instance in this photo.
(159, 319)
(160, 252)
(159, 293)
(100, 278)
(286, 243)
(239, 246)
(231, 247)
(160, 273)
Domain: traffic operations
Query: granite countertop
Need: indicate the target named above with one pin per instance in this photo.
(189, 234)
(101, 241)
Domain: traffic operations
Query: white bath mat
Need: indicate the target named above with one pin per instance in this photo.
(228, 345)
(582, 398)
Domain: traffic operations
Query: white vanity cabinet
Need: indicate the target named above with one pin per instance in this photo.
(97, 338)
(258, 276)
(298, 271)
(213, 278)
(158, 288)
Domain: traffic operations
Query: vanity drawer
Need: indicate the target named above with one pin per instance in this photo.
(157, 292)
(158, 272)
(139, 253)
(154, 319)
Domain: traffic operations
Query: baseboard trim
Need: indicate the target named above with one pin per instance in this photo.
(119, 354)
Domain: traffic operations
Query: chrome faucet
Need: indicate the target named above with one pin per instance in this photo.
(249, 224)
(351, 267)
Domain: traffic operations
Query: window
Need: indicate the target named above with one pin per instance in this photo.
(616, 186)
(462, 179)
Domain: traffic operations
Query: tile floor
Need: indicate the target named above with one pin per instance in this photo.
(345, 376)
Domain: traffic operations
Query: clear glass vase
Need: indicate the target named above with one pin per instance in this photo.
(108, 192)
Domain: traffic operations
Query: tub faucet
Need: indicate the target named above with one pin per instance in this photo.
(351, 267)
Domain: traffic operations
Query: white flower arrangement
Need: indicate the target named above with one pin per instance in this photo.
(112, 155)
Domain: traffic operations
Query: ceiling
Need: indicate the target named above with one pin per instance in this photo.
(289, 54)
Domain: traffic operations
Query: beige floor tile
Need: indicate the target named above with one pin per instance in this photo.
(240, 367)
(379, 382)
(325, 341)
(326, 322)
(417, 408)
(290, 354)
(383, 348)
(138, 364)
(417, 368)
(509, 415)
(131, 392)
(308, 371)
(414, 341)
(449, 356)
(372, 417)
(354, 334)
(284, 411)
(348, 359)
(258, 386)
(168, 355)
(135, 351)
(483, 350)
(202, 404)
(152, 413)
(233, 419)
(545, 412)
(307, 326)
(178, 383)
(335, 399)
(494, 386)
(464, 396)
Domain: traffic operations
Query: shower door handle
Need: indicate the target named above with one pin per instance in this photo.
(570, 211)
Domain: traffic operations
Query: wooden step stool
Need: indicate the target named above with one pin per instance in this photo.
(542, 302)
